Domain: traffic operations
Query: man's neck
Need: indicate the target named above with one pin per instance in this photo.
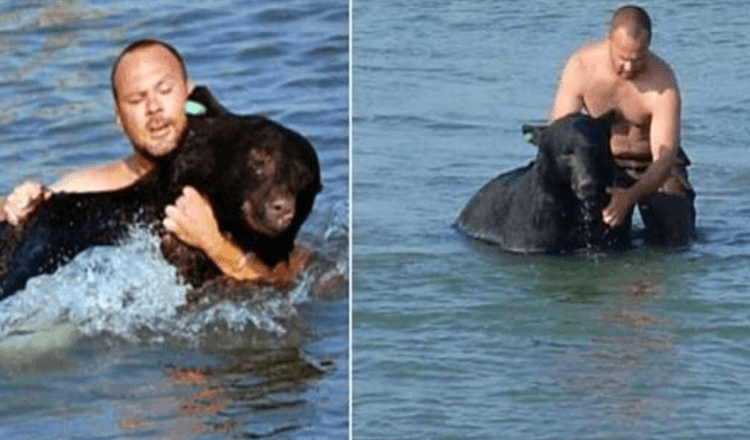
(137, 165)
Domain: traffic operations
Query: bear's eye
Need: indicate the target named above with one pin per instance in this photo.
(262, 162)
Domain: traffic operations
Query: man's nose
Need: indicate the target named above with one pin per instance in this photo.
(153, 103)
(627, 66)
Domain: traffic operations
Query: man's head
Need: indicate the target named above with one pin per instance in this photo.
(150, 88)
(629, 38)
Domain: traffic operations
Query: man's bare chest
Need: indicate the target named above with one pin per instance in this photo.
(600, 96)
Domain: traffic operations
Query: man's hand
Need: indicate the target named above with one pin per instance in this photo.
(24, 200)
(618, 208)
(280, 275)
(192, 220)
(284, 273)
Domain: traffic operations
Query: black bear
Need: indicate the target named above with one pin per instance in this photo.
(261, 179)
(554, 204)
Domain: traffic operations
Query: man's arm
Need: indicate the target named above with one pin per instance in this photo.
(27, 197)
(569, 95)
(191, 219)
(96, 178)
(664, 139)
(22, 201)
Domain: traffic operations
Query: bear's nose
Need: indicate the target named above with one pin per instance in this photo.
(283, 211)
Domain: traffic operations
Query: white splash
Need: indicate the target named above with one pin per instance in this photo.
(130, 291)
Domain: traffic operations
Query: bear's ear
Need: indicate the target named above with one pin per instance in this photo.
(202, 103)
(534, 133)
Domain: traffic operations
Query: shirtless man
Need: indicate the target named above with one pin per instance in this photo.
(620, 73)
(151, 87)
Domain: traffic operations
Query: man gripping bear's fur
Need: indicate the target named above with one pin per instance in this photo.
(260, 178)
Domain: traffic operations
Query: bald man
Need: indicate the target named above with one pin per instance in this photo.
(620, 73)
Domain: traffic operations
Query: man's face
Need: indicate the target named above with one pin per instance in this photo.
(629, 56)
(150, 102)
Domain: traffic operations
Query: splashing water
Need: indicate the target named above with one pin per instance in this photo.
(131, 292)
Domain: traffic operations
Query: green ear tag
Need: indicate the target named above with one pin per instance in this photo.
(194, 109)
(530, 136)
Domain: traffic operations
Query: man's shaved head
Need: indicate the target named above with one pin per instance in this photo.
(634, 20)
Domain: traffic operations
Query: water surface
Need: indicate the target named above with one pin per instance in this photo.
(454, 339)
(106, 347)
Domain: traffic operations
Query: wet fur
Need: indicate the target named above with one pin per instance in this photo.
(553, 204)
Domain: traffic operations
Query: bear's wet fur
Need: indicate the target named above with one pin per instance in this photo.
(554, 204)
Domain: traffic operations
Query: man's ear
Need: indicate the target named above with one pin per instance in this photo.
(118, 119)
(190, 86)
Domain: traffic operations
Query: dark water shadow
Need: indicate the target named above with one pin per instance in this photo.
(586, 276)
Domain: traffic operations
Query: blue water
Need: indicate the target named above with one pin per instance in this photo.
(454, 339)
(105, 347)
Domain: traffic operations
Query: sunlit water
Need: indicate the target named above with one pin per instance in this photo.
(454, 339)
(107, 347)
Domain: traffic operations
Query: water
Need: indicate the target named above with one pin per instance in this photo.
(454, 339)
(107, 347)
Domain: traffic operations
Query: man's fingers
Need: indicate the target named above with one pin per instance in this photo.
(172, 220)
(184, 199)
(190, 196)
(169, 224)
(611, 221)
(180, 202)
(189, 190)
(24, 200)
(11, 217)
(16, 216)
(174, 217)
(171, 211)
(27, 191)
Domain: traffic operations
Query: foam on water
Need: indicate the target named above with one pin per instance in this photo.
(337, 221)
(130, 291)
(265, 313)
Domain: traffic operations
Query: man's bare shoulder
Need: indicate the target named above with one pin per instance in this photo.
(589, 55)
(104, 177)
(662, 76)
(584, 63)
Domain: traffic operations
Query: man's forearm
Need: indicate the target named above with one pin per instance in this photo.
(191, 220)
(653, 178)
(247, 267)
(233, 262)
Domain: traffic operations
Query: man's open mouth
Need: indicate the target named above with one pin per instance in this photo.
(158, 129)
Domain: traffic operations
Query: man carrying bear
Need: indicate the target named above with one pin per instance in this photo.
(151, 88)
(620, 73)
